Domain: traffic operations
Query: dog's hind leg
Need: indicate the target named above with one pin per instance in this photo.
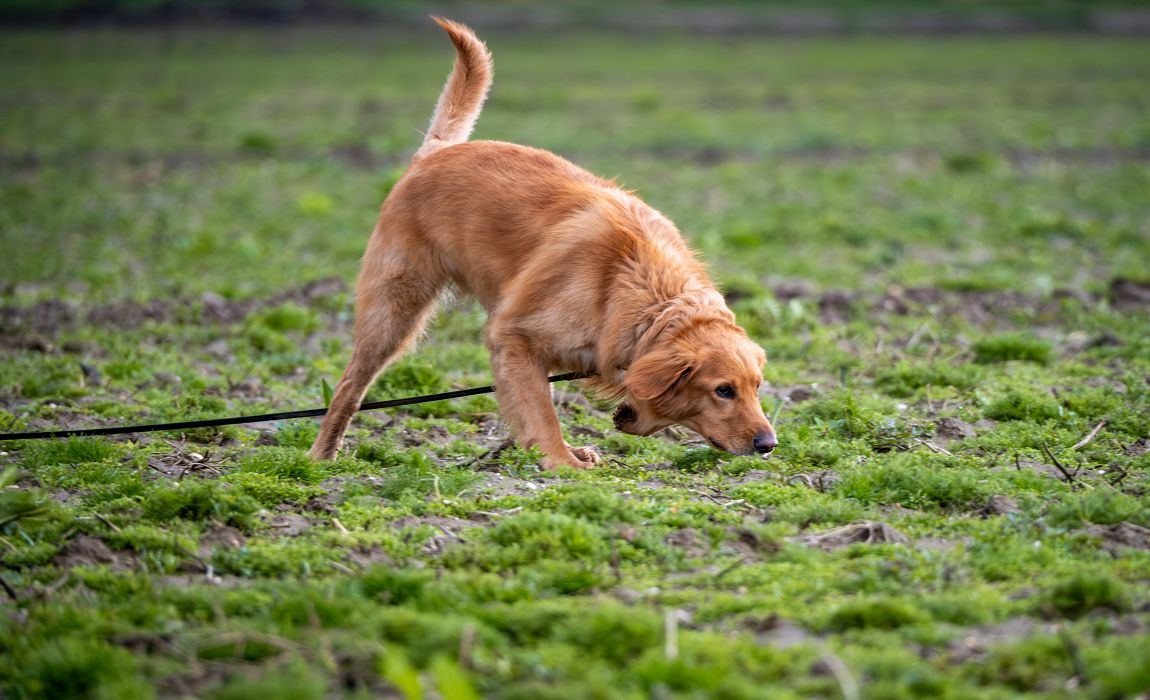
(394, 300)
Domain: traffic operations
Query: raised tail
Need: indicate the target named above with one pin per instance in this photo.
(462, 98)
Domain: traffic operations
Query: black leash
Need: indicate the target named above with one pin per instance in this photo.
(283, 415)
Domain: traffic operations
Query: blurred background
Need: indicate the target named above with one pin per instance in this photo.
(696, 15)
(174, 147)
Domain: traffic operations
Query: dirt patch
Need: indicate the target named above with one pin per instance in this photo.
(221, 537)
(866, 532)
(974, 643)
(749, 543)
(446, 531)
(1121, 536)
(36, 326)
(288, 525)
(777, 632)
(85, 550)
(978, 307)
(1138, 449)
(689, 541)
(1127, 294)
(496, 485)
(998, 505)
(948, 429)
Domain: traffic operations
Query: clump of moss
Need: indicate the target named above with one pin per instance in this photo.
(1012, 346)
(529, 537)
(697, 460)
(296, 682)
(287, 317)
(846, 413)
(74, 450)
(875, 613)
(70, 667)
(285, 463)
(915, 480)
(1023, 404)
(1085, 591)
(270, 490)
(905, 378)
(393, 586)
(596, 505)
(1100, 506)
(414, 473)
(201, 501)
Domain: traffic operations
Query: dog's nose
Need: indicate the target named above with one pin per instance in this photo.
(765, 442)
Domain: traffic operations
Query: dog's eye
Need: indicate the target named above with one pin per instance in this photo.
(726, 391)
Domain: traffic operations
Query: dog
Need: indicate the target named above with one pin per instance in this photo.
(575, 274)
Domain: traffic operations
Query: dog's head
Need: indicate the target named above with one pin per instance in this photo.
(705, 377)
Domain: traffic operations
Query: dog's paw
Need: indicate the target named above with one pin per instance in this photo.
(579, 458)
(587, 455)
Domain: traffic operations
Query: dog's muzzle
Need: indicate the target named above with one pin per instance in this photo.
(624, 417)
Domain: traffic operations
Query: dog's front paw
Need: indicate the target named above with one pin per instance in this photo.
(587, 455)
(577, 457)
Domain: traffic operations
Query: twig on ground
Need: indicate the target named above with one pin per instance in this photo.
(466, 642)
(842, 674)
(1089, 436)
(934, 448)
(1070, 478)
(8, 589)
(730, 567)
(339, 526)
(107, 522)
(671, 633)
(1074, 653)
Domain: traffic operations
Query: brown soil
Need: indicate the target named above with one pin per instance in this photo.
(36, 326)
(866, 532)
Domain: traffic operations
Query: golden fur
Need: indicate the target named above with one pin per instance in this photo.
(575, 274)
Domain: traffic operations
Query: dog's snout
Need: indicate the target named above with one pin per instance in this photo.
(765, 442)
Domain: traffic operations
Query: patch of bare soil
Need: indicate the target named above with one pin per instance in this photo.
(975, 306)
(750, 544)
(221, 537)
(777, 632)
(1121, 536)
(446, 530)
(998, 505)
(975, 642)
(1139, 448)
(690, 541)
(1126, 294)
(36, 326)
(288, 524)
(866, 532)
(951, 428)
(85, 550)
(496, 485)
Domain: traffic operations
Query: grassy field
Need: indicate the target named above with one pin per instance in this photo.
(942, 244)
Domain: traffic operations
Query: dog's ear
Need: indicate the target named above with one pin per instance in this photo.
(656, 373)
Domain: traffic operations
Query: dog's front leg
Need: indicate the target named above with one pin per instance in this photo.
(525, 401)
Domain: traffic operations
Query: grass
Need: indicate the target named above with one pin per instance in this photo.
(928, 237)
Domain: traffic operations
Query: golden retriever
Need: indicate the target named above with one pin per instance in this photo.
(575, 273)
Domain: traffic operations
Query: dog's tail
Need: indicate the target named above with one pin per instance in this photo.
(462, 98)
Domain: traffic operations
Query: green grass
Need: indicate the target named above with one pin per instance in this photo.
(923, 234)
